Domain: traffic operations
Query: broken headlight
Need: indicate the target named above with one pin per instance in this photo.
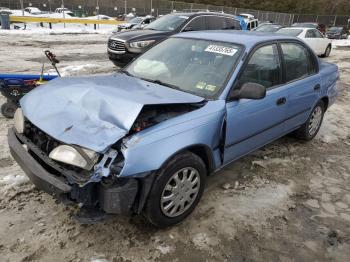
(19, 121)
(76, 156)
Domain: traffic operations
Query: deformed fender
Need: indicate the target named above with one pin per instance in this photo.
(150, 150)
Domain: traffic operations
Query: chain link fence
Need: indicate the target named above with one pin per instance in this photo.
(161, 7)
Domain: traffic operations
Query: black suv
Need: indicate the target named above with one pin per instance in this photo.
(125, 46)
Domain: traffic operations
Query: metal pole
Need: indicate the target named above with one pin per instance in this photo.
(151, 7)
(125, 6)
(335, 19)
(172, 6)
(21, 1)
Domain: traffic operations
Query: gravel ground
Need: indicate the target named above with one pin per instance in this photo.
(289, 201)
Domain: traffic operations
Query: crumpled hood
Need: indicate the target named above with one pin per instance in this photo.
(95, 112)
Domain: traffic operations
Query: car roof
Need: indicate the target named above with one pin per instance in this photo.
(246, 38)
(201, 13)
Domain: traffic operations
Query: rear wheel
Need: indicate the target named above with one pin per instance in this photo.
(311, 127)
(8, 109)
(327, 52)
(176, 191)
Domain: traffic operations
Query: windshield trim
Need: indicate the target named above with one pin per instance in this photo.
(228, 78)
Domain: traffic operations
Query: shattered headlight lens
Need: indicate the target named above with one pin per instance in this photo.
(76, 156)
(19, 121)
(141, 44)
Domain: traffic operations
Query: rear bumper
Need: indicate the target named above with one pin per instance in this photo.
(118, 198)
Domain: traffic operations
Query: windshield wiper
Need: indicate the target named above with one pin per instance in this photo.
(159, 82)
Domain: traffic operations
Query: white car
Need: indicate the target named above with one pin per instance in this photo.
(33, 10)
(321, 45)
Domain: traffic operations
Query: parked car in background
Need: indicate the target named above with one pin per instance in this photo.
(125, 46)
(135, 23)
(145, 139)
(337, 32)
(250, 22)
(65, 11)
(321, 45)
(33, 10)
(319, 27)
(268, 28)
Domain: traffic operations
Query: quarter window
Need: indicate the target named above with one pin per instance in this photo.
(263, 68)
(298, 61)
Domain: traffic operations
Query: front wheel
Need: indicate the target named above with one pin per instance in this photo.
(176, 191)
(311, 127)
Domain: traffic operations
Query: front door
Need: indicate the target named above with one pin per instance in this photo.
(253, 123)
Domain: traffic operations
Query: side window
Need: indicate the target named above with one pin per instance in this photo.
(231, 24)
(249, 26)
(216, 23)
(318, 34)
(196, 24)
(298, 61)
(262, 68)
(309, 34)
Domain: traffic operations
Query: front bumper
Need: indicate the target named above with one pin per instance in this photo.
(117, 198)
(122, 59)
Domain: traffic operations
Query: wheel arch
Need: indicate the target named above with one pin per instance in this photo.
(325, 101)
(201, 150)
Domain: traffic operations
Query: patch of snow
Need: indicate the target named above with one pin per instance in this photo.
(164, 249)
(341, 42)
(76, 70)
(201, 240)
(336, 124)
(12, 180)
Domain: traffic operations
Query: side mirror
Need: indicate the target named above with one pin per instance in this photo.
(249, 91)
(187, 29)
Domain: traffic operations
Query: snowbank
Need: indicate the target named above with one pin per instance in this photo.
(342, 42)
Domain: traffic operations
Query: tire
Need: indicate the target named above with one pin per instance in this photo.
(327, 52)
(8, 109)
(307, 132)
(156, 208)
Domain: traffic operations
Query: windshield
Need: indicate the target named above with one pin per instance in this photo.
(167, 23)
(335, 29)
(268, 28)
(200, 67)
(289, 31)
(135, 20)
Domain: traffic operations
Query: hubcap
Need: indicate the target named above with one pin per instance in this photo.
(315, 120)
(180, 192)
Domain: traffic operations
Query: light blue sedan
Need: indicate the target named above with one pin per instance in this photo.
(145, 139)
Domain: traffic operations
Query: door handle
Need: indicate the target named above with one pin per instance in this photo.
(317, 87)
(281, 101)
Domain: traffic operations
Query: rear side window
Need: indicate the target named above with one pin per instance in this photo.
(298, 61)
(197, 24)
(262, 68)
(216, 23)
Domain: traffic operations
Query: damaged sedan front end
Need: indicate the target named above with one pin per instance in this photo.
(91, 174)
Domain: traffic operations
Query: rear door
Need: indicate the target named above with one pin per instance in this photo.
(311, 40)
(252, 123)
(302, 82)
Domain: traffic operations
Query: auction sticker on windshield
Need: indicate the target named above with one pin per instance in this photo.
(221, 50)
